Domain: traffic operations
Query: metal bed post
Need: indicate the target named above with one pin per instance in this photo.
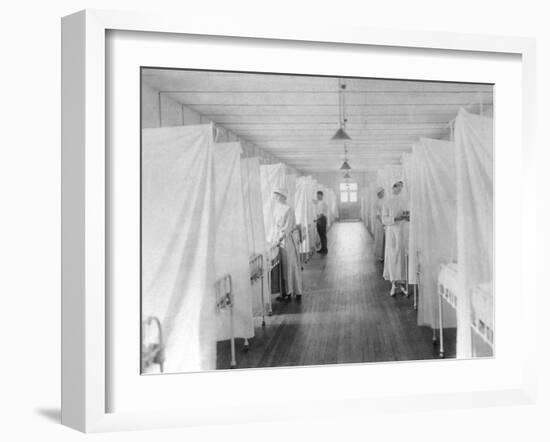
(270, 310)
(155, 353)
(257, 273)
(441, 349)
(419, 272)
(262, 294)
(416, 286)
(407, 272)
(223, 301)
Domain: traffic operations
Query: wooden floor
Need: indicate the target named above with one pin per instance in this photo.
(345, 316)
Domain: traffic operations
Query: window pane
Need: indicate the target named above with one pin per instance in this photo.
(353, 197)
(343, 186)
(352, 186)
(344, 197)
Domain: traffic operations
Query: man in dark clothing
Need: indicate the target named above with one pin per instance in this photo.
(321, 209)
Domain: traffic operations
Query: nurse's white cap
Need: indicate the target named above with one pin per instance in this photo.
(281, 191)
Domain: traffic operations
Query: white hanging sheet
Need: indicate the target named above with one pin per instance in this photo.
(474, 160)
(413, 178)
(273, 176)
(231, 248)
(304, 211)
(254, 217)
(178, 233)
(436, 222)
(290, 185)
(372, 209)
(334, 205)
(365, 202)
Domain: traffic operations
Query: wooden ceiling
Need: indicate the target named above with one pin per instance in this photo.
(294, 117)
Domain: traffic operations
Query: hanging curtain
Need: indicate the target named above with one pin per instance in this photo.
(436, 222)
(371, 209)
(290, 184)
(231, 248)
(474, 160)
(254, 221)
(178, 234)
(304, 211)
(413, 178)
(335, 205)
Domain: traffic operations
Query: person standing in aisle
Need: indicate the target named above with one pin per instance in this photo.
(395, 216)
(285, 222)
(321, 209)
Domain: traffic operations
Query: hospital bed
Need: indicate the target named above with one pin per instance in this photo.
(310, 233)
(481, 319)
(151, 352)
(257, 274)
(299, 234)
(273, 261)
(223, 289)
(416, 290)
(448, 290)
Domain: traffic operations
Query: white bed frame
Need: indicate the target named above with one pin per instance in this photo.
(478, 326)
(257, 274)
(225, 300)
(154, 352)
(274, 259)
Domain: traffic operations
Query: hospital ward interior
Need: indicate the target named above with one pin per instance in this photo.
(294, 220)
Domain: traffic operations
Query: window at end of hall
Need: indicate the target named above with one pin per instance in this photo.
(348, 192)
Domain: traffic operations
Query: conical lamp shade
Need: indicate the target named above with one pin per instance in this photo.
(345, 166)
(347, 175)
(341, 135)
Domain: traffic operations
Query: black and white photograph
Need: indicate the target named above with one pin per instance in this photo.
(292, 220)
(297, 220)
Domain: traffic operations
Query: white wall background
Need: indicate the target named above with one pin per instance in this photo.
(30, 221)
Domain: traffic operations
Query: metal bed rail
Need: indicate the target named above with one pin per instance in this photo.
(484, 331)
(273, 260)
(481, 328)
(443, 293)
(223, 289)
(152, 353)
(257, 274)
(417, 291)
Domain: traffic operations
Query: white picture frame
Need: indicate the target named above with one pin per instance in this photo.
(85, 200)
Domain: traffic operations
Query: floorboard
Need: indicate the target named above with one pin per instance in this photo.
(345, 316)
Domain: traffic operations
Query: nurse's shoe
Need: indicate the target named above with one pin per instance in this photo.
(393, 290)
(404, 291)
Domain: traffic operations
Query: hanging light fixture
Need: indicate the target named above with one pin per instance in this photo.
(341, 133)
(347, 176)
(345, 165)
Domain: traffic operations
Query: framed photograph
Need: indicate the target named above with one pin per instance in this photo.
(317, 216)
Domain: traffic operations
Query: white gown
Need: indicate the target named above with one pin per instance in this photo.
(397, 238)
(284, 222)
(378, 229)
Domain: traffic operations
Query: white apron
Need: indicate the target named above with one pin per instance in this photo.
(284, 222)
(397, 238)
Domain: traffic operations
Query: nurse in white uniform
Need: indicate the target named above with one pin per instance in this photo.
(378, 225)
(284, 223)
(395, 216)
